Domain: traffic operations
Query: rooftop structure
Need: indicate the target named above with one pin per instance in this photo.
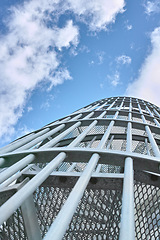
(91, 175)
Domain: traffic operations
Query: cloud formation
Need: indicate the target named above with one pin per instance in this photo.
(97, 14)
(114, 79)
(31, 49)
(123, 59)
(147, 85)
(29, 56)
(128, 26)
(152, 7)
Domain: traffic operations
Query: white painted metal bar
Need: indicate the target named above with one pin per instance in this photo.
(155, 111)
(108, 131)
(65, 120)
(82, 135)
(92, 107)
(150, 135)
(16, 167)
(101, 106)
(61, 223)
(76, 117)
(55, 140)
(127, 214)
(106, 135)
(2, 160)
(78, 174)
(121, 105)
(41, 138)
(89, 115)
(98, 168)
(15, 142)
(127, 229)
(129, 137)
(152, 141)
(91, 142)
(24, 141)
(146, 142)
(83, 109)
(70, 169)
(60, 121)
(112, 104)
(101, 115)
(109, 142)
(18, 198)
(151, 114)
(30, 219)
(14, 177)
(109, 128)
(80, 110)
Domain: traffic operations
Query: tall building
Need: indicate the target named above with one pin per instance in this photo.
(91, 175)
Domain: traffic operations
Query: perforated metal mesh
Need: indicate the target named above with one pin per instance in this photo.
(147, 209)
(13, 228)
(48, 202)
(97, 216)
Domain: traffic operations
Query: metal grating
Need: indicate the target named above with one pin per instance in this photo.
(97, 216)
(13, 228)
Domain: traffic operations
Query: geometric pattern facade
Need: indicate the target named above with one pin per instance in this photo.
(93, 174)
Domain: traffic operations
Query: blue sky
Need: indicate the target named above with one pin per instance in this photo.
(58, 56)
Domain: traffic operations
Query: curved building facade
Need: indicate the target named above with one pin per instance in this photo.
(91, 175)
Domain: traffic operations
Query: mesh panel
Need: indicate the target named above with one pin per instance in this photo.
(74, 133)
(118, 145)
(151, 150)
(98, 130)
(105, 168)
(147, 211)
(80, 167)
(117, 129)
(138, 132)
(150, 122)
(136, 119)
(122, 117)
(48, 201)
(13, 228)
(109, 116)
(139, 147)
(63, 166)
(94, 144)
(97, 216)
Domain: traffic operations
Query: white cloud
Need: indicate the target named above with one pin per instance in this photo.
(84, 48)
(129, 27)
(152, 7)
(30, 108)
(101, 85)
(91, 62)
(98, 13)
(59, 76)
(114, 79)
(31, 50)
(100, 57)
(123, 59)
(28, 57)
(147, 85)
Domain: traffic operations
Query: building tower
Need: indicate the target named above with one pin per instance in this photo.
(91, 175)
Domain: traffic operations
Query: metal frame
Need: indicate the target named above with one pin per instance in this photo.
(118, 132)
